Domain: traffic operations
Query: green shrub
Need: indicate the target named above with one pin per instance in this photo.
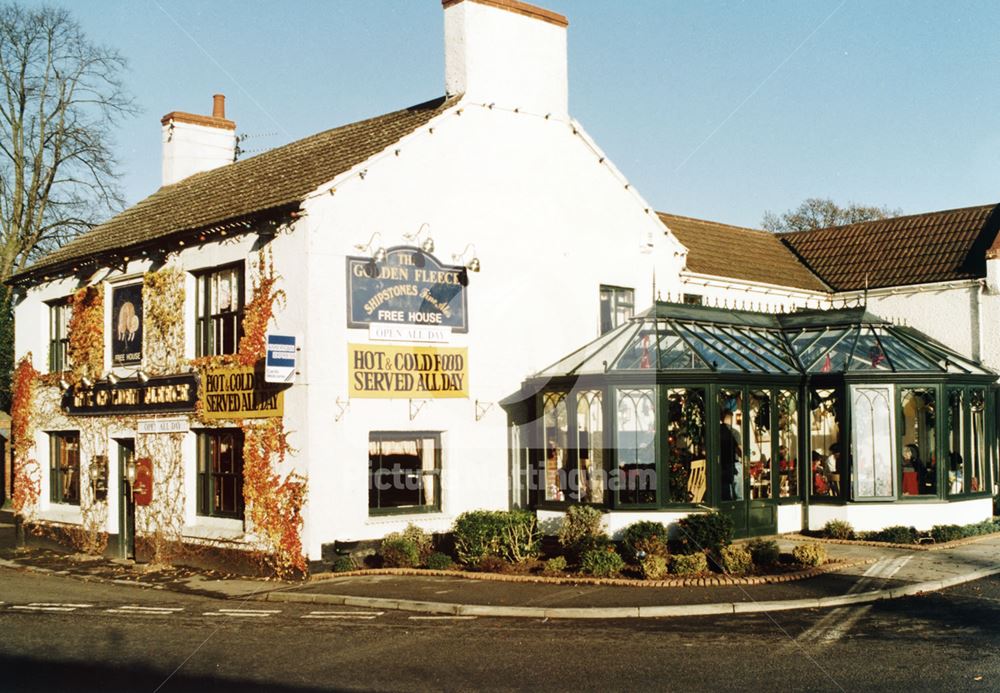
(421, 539)
(705, 533)
(838, 529)
(654, 567)
(764, 552)
(688, 564)
(399, 552)
(519, 538)
(601, 562)
(809, 554)
(342, 564)
(493, 564)
(943, 533)
(439, 561)
(645, 536)
(555, 566)
(736, 560)
(897, 534)
(582, 530)
(511, 535)
(477, 535)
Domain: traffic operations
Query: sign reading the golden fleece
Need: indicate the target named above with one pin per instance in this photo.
(409, 287)
(390, 372)
(239, 393)
(174, 393)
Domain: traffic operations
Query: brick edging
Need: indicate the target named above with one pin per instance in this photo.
(885, 544)
(698, 581)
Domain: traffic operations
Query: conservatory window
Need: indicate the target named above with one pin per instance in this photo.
(731, 444)
(977, 448)
(686, 445)
(788, 443)
(636, 428)
(956, 442)
(919, 443)
(589, 484)
(555, 423)
(874, 449)
(824, 434)
(760, 445)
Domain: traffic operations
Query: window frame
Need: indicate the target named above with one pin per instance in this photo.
(57, 492)
(426, 508)
(940, 433)
(206, 479)
(205, 320)
(614, 301)
(59, 343)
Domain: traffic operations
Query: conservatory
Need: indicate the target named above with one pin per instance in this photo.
(780, 421)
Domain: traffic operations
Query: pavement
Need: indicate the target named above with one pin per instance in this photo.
(873, 573)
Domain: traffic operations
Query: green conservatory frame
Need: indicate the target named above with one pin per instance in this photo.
(801, 369)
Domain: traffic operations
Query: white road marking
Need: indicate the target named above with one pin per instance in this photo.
(342, 617)
(243, 613)
(148, 610)
(442, 618)
(72, 606)
(31, 607)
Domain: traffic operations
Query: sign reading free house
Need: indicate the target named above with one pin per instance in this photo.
(126, 321)
(409, 287)
(388, 372)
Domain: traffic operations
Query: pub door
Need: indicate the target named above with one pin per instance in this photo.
(126, 501)
(745, 461)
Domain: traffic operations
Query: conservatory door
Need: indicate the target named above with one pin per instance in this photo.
(744, 461)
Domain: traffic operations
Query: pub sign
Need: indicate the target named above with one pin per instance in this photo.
(174, 393)
(409, 287)
(126, 328)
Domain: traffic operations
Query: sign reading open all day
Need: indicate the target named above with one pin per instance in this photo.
(388, 372)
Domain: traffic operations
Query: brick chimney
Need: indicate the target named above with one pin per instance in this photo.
(195, 143)
(508, 53)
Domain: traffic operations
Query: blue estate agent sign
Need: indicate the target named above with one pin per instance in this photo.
(409, 287)
(279, 363)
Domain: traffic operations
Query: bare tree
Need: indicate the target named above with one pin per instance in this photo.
(60, 97)
(820, 213)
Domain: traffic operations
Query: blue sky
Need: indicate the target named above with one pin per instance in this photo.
(719, 110)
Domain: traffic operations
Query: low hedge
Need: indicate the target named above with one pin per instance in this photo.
(511, 535)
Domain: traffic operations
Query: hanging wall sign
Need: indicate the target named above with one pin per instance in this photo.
(126, 325)
(409, 287)
(239, 393)
(390, 372)
(279, 360)
(175, 393)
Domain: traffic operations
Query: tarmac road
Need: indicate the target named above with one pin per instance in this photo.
(59, 633)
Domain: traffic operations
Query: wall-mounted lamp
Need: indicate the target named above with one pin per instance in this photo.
(130, 472)
(428, 243)
(378, 255)
(63, 384)
(86, 382)
(143, 378)
(471, 264)
(112, 379)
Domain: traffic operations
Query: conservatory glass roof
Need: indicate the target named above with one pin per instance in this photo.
(676, 337)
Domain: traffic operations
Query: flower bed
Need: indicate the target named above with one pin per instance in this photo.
(935, 539)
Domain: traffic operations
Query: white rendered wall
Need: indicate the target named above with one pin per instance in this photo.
(498, 56)
(789, 518)
(550, 224)
(865, 517)
(732, 293)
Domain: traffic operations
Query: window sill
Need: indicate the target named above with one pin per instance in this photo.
(217, 528)
(384, 517)
(60, 512)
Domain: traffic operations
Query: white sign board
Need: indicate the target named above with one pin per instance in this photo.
(179, 425)
(279, 365)
(389, 332)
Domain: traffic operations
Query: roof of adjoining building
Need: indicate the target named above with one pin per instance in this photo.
(925, 248)
(269, 181)
(740, 253)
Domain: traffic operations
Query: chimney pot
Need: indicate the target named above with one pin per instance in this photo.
(219, 106)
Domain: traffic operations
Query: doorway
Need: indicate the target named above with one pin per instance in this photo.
(126, 504)
(745, 460)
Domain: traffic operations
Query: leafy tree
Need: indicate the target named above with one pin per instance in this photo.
(61, 96)
(822, 212)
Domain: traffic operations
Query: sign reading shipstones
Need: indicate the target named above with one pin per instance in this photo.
(239, 393)
(126, 325)
(174, 393)
(409, 287)
(380, 371)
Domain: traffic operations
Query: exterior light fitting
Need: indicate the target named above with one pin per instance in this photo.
(63, 384)
(143, 378)
(472, 264)
(112, 378)
(427, 245)
(379, 254)
(86, 382)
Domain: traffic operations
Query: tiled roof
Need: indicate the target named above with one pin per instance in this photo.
(268, 181)
(917, 249)
(740, 253)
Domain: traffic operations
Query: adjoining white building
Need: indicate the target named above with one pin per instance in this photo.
(419, 265)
